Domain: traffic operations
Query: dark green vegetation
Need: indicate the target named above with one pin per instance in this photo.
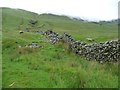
(53, 65)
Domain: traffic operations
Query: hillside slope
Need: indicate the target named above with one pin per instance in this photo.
(79, 29)
(53, 65)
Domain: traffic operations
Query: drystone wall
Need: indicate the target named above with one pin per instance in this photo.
(103, 52)
(52, 36)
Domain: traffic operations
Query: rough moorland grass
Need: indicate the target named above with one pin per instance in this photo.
(53, 66)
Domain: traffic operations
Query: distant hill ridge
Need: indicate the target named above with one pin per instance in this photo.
(115, 21)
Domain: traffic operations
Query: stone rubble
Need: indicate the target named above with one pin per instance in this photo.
(31, 45)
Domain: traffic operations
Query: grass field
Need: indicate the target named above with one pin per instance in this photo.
(53, 66)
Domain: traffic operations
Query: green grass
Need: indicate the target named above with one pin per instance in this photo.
(53, 66)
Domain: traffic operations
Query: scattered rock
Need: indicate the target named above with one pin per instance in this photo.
(20, 32)
(31, 45)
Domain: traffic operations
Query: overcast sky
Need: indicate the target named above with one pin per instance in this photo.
(87, 9)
